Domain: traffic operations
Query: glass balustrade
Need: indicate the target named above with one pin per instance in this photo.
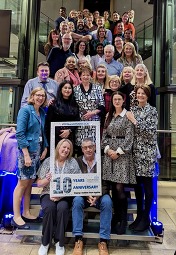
(46, 24)
(144, 35)
(9, 65)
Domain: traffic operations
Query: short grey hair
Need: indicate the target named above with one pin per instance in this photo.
(109, 47)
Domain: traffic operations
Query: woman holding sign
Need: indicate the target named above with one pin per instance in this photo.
(56, 209)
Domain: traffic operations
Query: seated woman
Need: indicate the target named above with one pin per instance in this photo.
(56, 209)
(69, 72)
(129, 56)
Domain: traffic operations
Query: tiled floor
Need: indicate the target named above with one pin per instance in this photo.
(19, 245)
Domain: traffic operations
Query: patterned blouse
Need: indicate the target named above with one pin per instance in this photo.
(145, 140)
(71, 167)
(136, 61)
(88, 101)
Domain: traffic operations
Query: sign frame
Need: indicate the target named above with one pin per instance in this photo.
(83, 184)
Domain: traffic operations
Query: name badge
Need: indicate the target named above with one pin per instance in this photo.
(40, 139)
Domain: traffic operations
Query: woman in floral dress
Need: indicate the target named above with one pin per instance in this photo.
(145, 118)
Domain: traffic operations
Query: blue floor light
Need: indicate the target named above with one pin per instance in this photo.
(8, 183)
(156, 225)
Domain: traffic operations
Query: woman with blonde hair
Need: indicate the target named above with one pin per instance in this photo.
(126, 86)
(101, 76)
(69, 72)
(83, 62)
(32, 147)
(142, 77)
(129, 56)
(56, 209)
(114, 85)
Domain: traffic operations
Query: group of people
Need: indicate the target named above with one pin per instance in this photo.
(88, 37)
(122, 98)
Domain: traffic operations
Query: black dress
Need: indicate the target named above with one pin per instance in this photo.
(61, 113)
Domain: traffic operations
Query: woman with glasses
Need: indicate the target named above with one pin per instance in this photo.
(118, 45)
(32, 146)
(82, 50)
(113, 85)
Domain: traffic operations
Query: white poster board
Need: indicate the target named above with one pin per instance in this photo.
(83, 184)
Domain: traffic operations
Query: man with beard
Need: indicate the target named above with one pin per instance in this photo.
(57, 56)
(42, 80)
(81, 30)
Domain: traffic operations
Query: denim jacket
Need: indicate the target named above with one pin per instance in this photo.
(30, 127)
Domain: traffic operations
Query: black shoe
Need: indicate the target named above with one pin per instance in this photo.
(37, 220)
(122, 228)
(14, 224)
(143, 225)
(135, 222)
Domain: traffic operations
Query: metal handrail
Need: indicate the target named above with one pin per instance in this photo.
(159, 130)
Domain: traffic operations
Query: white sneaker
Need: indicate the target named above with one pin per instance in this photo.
(59, 250)
(43, 250)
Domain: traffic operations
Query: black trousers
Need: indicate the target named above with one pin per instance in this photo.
(55, 220)
(144, 187)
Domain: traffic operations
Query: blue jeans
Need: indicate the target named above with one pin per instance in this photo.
(104, 203)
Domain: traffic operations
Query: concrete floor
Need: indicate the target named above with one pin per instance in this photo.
(11, 244)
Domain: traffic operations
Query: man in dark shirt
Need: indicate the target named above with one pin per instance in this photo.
(62, 17)
(57, 56)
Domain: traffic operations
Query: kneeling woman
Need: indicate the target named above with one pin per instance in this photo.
(56, 209)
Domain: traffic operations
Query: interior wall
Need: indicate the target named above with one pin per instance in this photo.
(51, 7)
(142, 10)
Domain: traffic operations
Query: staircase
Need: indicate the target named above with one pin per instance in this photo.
(144, 37)
(46, 24)
(91, 223)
